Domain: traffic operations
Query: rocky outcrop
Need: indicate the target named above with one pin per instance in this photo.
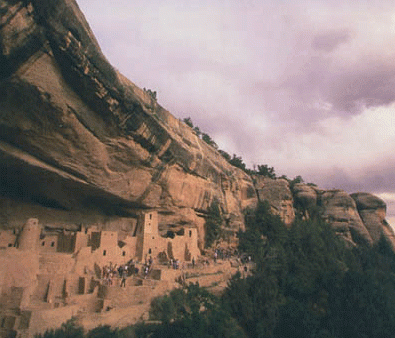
(372, 211)
(305, 195)
(339, 210)
(359, 218)
(278, 194)
(75, 135)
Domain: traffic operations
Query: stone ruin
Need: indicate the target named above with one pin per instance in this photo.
(47, 278)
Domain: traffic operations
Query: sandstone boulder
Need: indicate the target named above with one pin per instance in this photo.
(278, 194)
(340, 211)
(372, 211)
(305, 195)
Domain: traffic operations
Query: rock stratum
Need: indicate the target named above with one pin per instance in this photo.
(81, 144)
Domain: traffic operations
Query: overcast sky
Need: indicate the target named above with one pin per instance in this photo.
(307, 87)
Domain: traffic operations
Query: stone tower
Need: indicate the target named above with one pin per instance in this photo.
(148, 236)
(30, 235)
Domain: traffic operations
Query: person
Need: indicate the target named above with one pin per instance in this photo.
(193, 262)
(123, 281)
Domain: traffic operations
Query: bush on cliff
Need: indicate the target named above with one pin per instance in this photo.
(213, 224)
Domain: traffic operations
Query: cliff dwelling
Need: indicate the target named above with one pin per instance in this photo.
(47, 276)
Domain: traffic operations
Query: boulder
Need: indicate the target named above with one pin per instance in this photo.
(340, 211)
(373, 211)
(305, 195)
(278, 194)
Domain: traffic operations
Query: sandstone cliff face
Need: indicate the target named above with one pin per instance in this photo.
(75, 135)
(81, 144)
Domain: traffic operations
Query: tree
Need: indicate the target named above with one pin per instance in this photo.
(213, 224)
(206, 138)
(225, 155)
(197, 131)
(192, 312)
(151, 93)
(266, 171)
(237, 161)
(188, 122)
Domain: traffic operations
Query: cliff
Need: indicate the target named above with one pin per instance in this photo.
(81, 144)
(80, 139)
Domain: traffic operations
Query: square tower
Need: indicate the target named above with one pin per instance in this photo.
(150, 223)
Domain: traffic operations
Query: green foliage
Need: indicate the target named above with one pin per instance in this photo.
(308, 284)
(191, 312)
(297, 179)
(225, 155)
(206, 138)
(197, 131)
(213, 224)
(68, 330)
(265, 170)
(188, 122)
(238, 162)
(151, 93)
(262, 226)
(71, 329)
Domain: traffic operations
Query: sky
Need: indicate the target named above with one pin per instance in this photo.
(307, 87)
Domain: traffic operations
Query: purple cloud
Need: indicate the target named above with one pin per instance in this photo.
(328, 41)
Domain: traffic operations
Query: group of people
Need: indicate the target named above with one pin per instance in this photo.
(147, 267)
(174, 263)
(110, 272)
(123, 271)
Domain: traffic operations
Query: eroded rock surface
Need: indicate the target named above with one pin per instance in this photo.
(372, 211)
(340, 210)
(278, 194)
(77, 135)
(305, 195)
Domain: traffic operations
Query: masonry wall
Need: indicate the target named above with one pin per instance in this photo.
(7, 238)
(150, 243)
(81, 240)
(29, 237)
(49, 243)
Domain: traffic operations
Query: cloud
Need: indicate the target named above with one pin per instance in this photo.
(329, 41)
